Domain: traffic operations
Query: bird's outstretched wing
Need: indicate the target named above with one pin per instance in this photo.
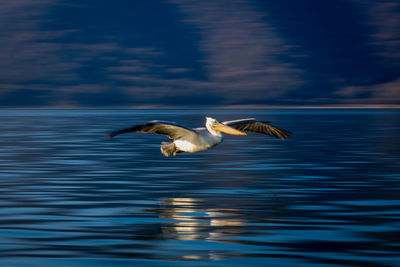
(170, 129)
(256, 126)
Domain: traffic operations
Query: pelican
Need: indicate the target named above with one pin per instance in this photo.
(198, 139)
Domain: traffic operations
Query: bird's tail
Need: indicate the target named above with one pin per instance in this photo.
(169, 149)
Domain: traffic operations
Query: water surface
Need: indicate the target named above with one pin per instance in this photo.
(327, 197)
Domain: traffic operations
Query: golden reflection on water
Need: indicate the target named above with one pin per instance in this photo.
(194, 222)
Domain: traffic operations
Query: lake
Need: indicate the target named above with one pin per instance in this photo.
(329, 196)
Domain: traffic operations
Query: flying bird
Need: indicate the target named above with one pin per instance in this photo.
(198, 139)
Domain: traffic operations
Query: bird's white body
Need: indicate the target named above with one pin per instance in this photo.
(204, 140)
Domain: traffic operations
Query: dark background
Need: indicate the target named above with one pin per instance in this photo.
(121, 53)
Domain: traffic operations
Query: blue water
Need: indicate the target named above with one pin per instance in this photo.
(330, 196)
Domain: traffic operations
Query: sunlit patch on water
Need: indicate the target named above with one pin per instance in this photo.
(327, 197)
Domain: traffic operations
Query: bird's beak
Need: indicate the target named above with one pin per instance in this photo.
(227, 129)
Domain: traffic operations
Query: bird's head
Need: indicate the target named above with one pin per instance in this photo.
(210, 121)
(215, 127)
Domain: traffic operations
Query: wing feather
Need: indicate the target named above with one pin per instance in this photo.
(170, 129)
(256, 126)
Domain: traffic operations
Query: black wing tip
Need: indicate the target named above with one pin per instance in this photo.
(136, 128)
(284, 135)
(288, 134)
(111, 135)
(280, 133)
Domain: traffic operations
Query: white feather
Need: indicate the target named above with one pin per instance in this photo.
(184, 145)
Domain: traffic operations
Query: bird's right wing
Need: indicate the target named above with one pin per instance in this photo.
(256, 126)
(170, 129)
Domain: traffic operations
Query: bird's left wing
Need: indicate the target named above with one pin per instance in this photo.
(170, 129)
(256, 126)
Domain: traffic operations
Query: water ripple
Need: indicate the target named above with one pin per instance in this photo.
(69, 197)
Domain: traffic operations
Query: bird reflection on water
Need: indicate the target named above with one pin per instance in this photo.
(194, 222)
(219, 219)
